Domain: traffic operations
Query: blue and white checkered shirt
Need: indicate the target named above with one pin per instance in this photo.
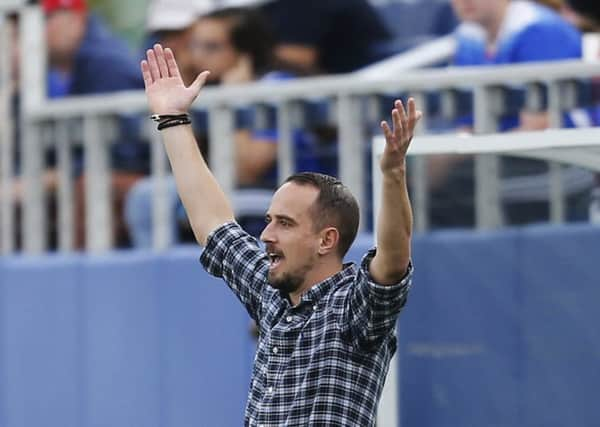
(323, 361)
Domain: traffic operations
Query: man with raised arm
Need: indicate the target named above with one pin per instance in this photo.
(326, 328)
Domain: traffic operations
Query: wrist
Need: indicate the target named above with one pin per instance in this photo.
(170, 120)
(395, 173)
(176, 130)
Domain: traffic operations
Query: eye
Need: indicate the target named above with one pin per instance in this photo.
(267, 219)
(284, 223)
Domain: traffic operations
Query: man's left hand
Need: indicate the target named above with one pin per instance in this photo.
(399, 137)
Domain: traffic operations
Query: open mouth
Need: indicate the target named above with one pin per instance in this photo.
(275, 259)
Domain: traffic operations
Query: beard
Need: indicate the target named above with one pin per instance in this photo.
(289, 282)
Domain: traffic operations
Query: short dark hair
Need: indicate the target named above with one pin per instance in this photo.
(335, 206)
(250, 33)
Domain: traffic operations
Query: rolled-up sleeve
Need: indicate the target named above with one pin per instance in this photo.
(371, 310)
(236, 257)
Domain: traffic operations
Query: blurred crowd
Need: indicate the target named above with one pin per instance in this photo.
(242, 41)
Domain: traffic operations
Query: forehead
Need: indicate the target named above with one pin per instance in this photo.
(217, 28)
(293, 200)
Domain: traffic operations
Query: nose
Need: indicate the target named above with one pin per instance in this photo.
(267, 235)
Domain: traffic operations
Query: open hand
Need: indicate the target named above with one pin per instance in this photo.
(165, 89)
(399, 137)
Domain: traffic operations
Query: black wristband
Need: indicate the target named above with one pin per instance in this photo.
(174, 122)
(164, 117)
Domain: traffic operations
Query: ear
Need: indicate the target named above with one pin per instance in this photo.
(329, 238)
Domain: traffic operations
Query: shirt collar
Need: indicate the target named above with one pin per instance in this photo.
(320, 289)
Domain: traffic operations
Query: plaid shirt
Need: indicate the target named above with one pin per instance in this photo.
(324, 361)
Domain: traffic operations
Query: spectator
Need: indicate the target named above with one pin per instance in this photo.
(329, 36)
(504, 32)
(170, 22)
(236, 46)
(79, 44)
(494, 32)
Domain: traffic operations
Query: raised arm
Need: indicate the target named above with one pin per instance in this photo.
(204, 201)
(394, 227)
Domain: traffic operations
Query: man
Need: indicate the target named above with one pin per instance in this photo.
(77, 42)
(497, 32)
(326, 329)
(501, 32)
(170, 23)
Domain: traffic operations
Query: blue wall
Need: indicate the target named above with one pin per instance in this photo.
(501, 329)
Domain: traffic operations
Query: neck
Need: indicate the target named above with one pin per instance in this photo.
(494, 24)
(322, 271)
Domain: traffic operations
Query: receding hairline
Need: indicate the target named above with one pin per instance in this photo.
(316, 212)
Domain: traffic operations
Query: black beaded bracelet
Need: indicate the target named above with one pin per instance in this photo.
(163, 117)
(169, 120)
(174, 122)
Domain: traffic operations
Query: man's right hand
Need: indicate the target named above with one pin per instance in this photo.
(165, 89)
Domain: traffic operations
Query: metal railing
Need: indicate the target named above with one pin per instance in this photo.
(354, 101)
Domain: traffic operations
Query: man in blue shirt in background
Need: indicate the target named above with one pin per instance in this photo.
(500, 32)
(79, 44)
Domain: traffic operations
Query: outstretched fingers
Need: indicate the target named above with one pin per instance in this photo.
(171, 63)
(153, 65)
(161, 61)
(400, 119)
(387, 132)
(413, 114)
(393, 136)
(146, 74)
(403, 124)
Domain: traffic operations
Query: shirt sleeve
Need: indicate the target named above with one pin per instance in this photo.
(235, 256)
(371, 310)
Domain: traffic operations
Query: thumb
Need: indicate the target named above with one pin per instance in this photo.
(199, 82)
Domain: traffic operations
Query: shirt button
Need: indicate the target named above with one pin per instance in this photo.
(275, 350)
(289, 319)
(270, 390)
(315, 307)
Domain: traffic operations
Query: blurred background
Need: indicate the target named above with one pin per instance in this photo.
(106, 317)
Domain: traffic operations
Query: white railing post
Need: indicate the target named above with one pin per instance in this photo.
(555, 170)
(33, 93)
(286, 152)
(98, 200)
(162, 214)
(418, 173)
(351, 148)
(222, 150)
(7, 219)
(65, 186)
(388, 412)
(488, 213)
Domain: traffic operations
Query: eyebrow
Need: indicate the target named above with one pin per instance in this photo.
(287, 218)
